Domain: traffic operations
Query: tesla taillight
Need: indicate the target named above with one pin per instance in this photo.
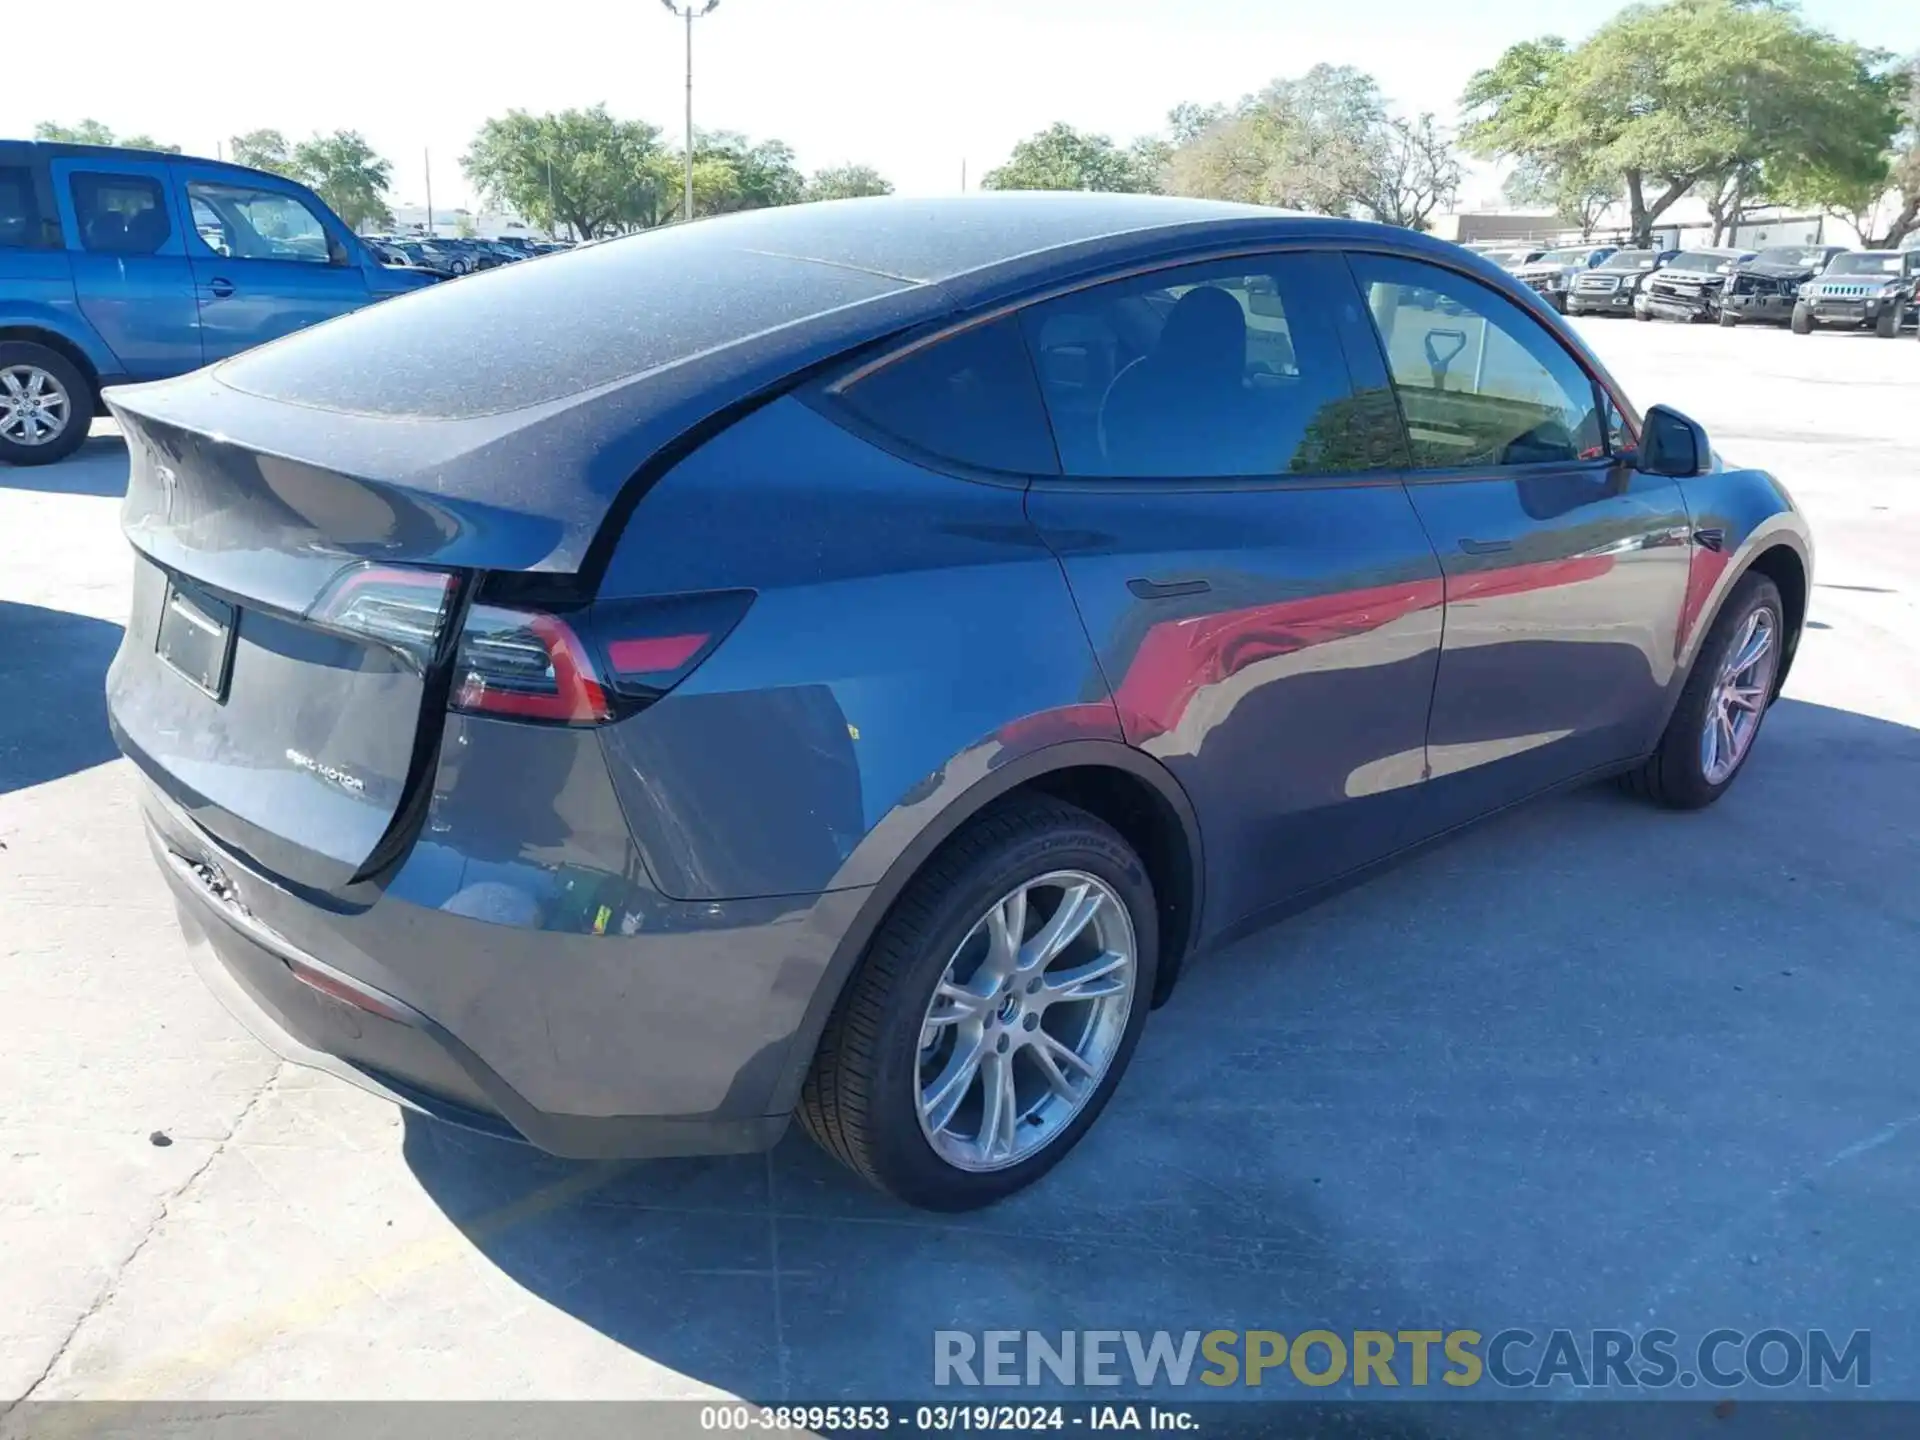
(400, 609)
(590, 666)
(527, 665)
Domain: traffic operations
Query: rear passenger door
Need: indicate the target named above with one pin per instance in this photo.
(1261, 595)
(131, 277)
(1566, 568)
(266, 262)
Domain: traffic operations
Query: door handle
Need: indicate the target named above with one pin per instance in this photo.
(221, 287)
(1168, 589)
(1485, 547)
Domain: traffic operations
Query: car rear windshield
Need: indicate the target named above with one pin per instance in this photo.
(1865, 263)
(1565, 257)
(1628, 260)
(527, 335)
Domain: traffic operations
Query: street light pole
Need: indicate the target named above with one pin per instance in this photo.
(690, 11)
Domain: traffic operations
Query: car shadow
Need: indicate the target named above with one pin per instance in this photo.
(1590, 1064)
(98, 467)
(53, 667)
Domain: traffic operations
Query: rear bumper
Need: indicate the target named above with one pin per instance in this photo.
(472, 1066)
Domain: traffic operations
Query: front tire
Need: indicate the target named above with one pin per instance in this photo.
(1728, 319)
(994, 1012)
(1888, 325)
(1802, 321)
(1715, 725)
(46, 404)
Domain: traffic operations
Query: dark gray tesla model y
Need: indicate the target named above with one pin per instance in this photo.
(846, 660)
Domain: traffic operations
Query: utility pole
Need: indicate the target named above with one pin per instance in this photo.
(427, 155)
(690, 11)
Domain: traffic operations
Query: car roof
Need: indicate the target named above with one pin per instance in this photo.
(580, 369)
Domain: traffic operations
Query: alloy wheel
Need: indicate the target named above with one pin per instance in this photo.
(1025, 1020)
(33, 405)
(1739, 696)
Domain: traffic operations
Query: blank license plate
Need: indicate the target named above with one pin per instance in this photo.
(196, 638)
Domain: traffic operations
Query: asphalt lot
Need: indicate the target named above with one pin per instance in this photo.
(1591, 1065)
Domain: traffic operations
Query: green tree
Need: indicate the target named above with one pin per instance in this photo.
(1326, 142)
(845, 182)
(264, 150)
(1577, 195)
(741, 175)
(1880, 198)
(92, 132)
(583, 169)
(348, 174)
(1063, 158)
(1740, 96)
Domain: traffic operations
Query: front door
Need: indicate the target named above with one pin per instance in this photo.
(1566, 569)
(265, 260)
(131, 277)
(1251, 572)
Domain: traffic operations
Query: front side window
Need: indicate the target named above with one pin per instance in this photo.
(243, 223)
(21, 223)
(969, 398)
(120, 214)
(1223, 369)
(1481, 382)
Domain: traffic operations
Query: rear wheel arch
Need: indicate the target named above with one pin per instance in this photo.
(1127, 789)
(61, 346)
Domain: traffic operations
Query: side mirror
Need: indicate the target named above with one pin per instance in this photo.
(1671, 444)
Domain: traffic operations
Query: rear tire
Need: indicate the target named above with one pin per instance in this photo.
(1677, 774)
(872, 1098)
(1802, 321)
(51, 393)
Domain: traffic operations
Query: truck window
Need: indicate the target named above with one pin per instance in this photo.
(120, 214)
(243, 223)
(21, 223)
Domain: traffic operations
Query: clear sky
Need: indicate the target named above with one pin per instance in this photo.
(913, 87)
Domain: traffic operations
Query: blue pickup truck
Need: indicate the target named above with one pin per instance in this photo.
(120, 265)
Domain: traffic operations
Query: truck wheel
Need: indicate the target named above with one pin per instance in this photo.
(1888, 325)
(1645, 317)
(1802, 322)
(46, 405)
(1728, 319)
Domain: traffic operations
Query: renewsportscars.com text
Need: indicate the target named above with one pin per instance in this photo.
(1513, 1358)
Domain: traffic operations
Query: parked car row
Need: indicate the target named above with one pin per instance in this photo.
(446, 258)
(1806, 287)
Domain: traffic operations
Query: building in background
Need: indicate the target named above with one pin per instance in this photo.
(1684, 226)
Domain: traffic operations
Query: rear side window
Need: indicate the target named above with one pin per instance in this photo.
(120, 214)
(1222, 369)
(21, 223)
(970, 398)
